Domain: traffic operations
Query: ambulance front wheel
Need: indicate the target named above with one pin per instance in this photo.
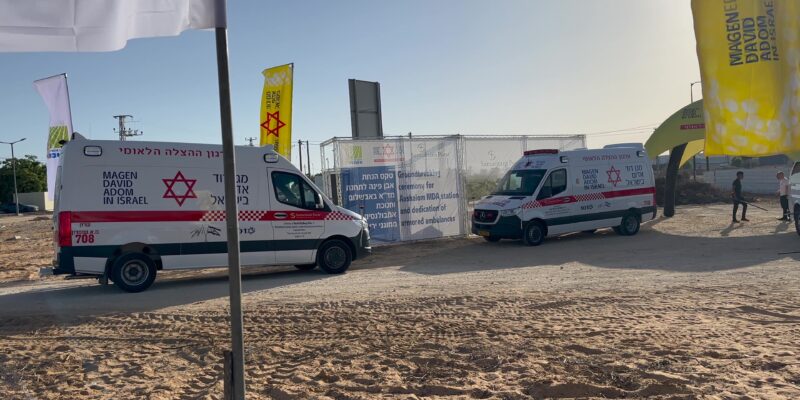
(534, 234)
(629, 225)
(334, 256)
(133, 272)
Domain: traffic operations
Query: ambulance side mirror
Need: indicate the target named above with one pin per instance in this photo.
(318, 203)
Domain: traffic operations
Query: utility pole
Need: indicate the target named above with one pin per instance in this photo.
(123, 131)
(308, 157)
(250, 139)
(14, 169)
(300, 152)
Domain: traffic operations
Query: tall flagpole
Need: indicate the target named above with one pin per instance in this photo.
(231, 208)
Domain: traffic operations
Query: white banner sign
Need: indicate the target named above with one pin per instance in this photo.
(55, 94)
(428, 190)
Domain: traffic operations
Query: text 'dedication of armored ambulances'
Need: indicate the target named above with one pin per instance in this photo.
(125, 210)
(548, 192)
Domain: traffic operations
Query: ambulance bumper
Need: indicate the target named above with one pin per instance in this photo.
(361, 244)
(64, 262)
(504, 228)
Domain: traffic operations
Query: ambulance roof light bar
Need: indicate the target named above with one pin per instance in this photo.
(540, 151)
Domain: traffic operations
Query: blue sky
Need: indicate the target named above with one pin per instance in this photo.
(445, 67)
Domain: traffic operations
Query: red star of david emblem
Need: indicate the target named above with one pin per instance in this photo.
(278, 123)
(613, 176)
(387, 150)
(188, 193)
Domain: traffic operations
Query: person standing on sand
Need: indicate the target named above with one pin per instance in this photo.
(738, 198)
(783, 191)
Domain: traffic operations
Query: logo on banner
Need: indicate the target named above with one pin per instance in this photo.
(356, 154)
(386, 153)
(277, 125)
(613, 176)
(179, 184)
(493, 162)
(422, 151)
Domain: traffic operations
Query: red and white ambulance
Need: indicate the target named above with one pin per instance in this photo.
(126, 210)
(551, 192)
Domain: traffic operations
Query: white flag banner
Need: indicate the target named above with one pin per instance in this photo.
(98, 25)
(55, 94)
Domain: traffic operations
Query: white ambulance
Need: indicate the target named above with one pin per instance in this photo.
(126, 210)
(551, 192)
(794, 195)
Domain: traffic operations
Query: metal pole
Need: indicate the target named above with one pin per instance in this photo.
(14, 171)
(231, 209)
(308, 157)
(694, 157)
(300, 152)
(69, 109)
(14, 168)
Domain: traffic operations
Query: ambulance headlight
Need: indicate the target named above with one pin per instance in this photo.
(511, 212)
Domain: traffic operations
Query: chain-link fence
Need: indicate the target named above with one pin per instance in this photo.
(419, 187)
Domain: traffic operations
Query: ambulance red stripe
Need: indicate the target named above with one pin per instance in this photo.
(589, 197)
(196, 216)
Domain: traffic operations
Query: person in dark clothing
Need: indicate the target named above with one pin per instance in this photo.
(784, 188)
(738, 198)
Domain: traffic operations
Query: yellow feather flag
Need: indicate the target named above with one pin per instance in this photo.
(276, 109)
(749, 53)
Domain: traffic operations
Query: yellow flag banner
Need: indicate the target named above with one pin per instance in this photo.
(276, 109)
(749, 53)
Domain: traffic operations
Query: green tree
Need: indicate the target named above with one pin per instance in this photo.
(479, 186)
(31, 177)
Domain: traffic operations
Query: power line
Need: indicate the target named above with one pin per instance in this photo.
(623, 133)
(642, 128)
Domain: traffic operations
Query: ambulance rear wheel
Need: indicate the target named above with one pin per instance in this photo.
(133, 272)
(306, 267)
(534, 234)
(334, 257)
(629, 225)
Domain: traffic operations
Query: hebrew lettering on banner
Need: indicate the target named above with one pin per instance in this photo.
(374, 189)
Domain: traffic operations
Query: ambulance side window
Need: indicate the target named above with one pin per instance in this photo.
(291, 189)
(559, 181)
(555, 184)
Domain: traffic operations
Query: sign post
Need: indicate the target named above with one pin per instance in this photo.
(231, 208)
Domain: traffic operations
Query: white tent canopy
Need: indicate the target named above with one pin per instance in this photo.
(97, 25)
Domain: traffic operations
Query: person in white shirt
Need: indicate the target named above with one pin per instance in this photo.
(783, 191)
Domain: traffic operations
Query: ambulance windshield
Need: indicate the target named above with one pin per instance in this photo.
(520, 182)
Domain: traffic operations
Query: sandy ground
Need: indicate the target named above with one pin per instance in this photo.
(692, 307)
(26, 245)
